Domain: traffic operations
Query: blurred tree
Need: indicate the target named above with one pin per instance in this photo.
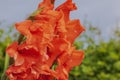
(5, 39)
(102, 59)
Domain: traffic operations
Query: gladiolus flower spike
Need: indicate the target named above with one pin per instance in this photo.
(47, 53)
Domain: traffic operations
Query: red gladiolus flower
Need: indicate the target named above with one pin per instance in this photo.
(47, 53)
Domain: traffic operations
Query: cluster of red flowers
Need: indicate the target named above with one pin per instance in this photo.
(47, 53)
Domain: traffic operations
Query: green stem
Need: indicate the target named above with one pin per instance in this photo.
(6, 64)
(7, 58)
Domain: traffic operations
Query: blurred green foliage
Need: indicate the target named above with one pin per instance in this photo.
(5, 39)
(102, 59)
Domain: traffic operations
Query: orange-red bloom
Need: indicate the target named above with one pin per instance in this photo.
(47, 53)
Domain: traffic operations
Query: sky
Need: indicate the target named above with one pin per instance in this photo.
(104, 14)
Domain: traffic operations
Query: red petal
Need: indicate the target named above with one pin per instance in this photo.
(58, 46)
(11, 50)
(23, 27)
(46, 4)
(75, 60)
(74, 28)
(66, 8)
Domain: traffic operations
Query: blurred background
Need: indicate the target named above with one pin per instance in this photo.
(100, 41)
